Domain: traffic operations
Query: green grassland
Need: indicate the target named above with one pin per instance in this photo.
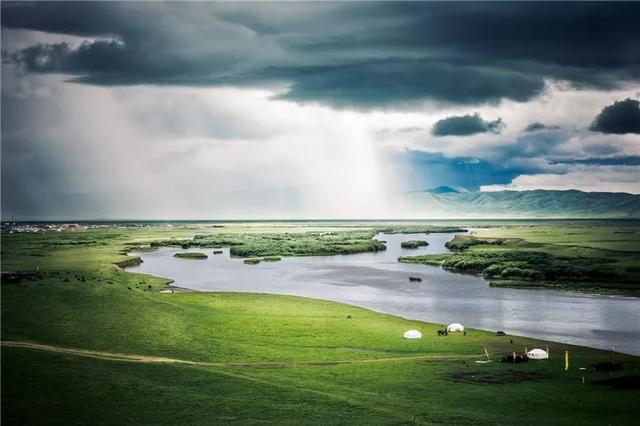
(256, 358)
(76, 249)
(581, 256)
(616, 235)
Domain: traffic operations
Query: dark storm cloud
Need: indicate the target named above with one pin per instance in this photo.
(466, 125)
(406, 81)
(536, 126)
(346, 54)
(621, 117)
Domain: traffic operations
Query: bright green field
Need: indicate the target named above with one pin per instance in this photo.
(583, 255)
(617, 236)
(279, 359)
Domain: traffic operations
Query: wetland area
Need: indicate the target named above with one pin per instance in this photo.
(378, 281)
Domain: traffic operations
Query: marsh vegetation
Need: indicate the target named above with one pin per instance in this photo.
(285, 244)
(191, 255)
(302, 241)
(413, 244)
(547, 261)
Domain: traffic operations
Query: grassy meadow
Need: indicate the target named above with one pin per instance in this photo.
(581, 256)
(121, 352)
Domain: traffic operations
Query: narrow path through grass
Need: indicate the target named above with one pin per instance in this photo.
(113, 356)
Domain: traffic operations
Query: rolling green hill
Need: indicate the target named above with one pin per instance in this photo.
(528, 204)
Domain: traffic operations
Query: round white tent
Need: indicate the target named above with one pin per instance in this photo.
(455, 327)
(538, 354)
(412, 334)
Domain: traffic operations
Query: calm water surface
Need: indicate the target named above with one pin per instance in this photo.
(377, 281)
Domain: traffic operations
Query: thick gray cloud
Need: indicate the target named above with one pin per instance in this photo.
(466, 125)
(621, 117)
(405, 81)
(344, 54)
(536, 126)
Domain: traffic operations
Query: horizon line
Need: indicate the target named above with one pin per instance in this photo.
(140, 220)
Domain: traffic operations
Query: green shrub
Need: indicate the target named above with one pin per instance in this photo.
(413, 244)
(523, 265)
(191, 255)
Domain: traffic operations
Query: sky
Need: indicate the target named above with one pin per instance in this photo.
(310, 110)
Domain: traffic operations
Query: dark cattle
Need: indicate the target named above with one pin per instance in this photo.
(515, 358)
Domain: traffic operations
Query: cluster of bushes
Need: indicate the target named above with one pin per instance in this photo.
(420, 229)
(191, 255)
(134, 261)
(285, 244)
(197, 242)
(272, 259)
(305, 247)
(523, 265)
(463, 242)
(413, 244)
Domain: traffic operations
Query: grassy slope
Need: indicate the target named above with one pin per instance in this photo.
(581, 256)
(103, 308)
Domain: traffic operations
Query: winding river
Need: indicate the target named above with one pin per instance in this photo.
(378, 282)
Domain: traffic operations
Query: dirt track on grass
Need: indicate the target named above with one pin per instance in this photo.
(146, 359)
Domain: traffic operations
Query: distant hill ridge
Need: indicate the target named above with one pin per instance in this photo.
(535, 203)
(444, 190)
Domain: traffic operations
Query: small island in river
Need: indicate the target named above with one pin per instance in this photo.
(413, 244)
(191, 255)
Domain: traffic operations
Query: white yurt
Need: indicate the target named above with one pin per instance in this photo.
(412, 334)
(538, 354)
(455, 327)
